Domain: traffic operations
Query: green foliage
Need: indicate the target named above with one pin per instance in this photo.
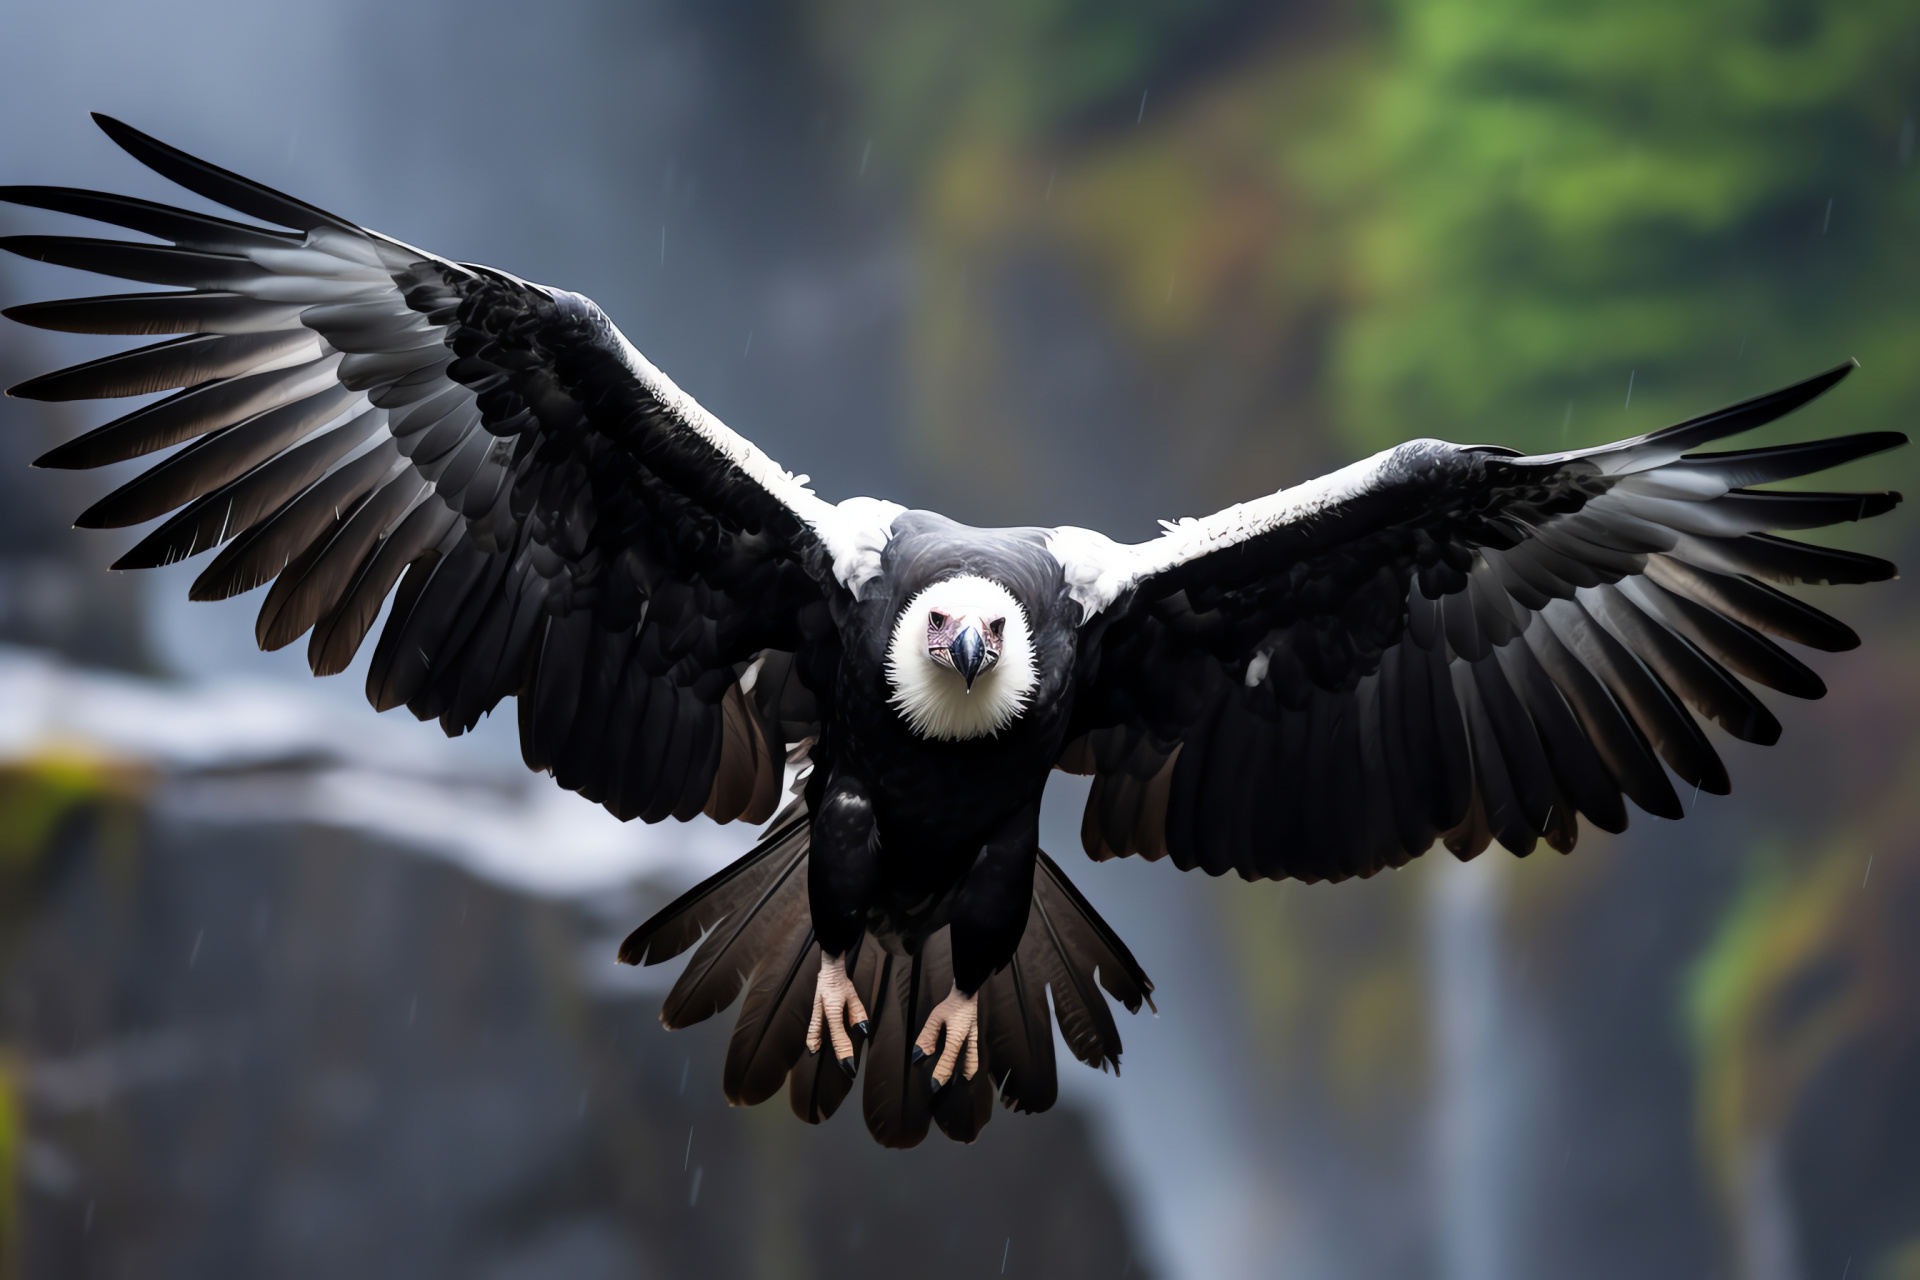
(36, 793)
(1557, 198)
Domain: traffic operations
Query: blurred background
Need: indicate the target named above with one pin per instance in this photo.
(287, 989)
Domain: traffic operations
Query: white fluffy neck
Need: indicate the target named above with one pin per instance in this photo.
(933, 699)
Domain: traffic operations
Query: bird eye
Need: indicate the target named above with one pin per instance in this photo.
(999, 627)
(937, 618)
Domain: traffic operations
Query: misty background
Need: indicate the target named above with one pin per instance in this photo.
(290, 989)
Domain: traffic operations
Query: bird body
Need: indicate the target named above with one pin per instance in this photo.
(1440, 644)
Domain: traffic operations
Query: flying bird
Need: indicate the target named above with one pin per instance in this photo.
(1440, 643)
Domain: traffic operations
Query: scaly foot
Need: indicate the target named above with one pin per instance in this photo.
(836, 1005)
(960, 1016)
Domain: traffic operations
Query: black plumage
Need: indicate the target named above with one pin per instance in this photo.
(1439, 644)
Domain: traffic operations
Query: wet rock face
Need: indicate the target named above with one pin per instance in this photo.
(279, 1051)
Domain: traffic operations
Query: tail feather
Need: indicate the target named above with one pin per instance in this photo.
(897, 1099)
(688, 918)
(1016, 1031)
(1091, 940)
(770, 1035)
(753, 904)
(752, 923)
(1070, 944)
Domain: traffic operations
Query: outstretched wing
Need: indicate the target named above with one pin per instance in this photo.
(1451, 642)
(563, 523)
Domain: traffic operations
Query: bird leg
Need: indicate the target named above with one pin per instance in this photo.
(836, 1005)
(959, 1016)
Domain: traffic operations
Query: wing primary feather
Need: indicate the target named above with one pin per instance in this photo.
(147, 263)
(219, 185)
(1788, 461)
(237, 507)
(1628, 757)
(197, 311)
(168, 223)
(264, 550)
(178, 362)
(296, 603)
(215, 461)
(1762, 555)
(338, 636)
(1666, 724)
(1754, 604)
(191, 413)
(1746, 415)
(1695, 677)
(1740, 647)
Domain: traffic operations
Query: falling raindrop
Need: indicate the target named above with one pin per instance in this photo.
(1863, 879)
(663, 244)
(1051, 175)
(1743, 352)
(193, 956)
(413, 1010)
(693, 1195)
(749, 348)
(1142, 114)
(1630, 377)
(1003, 1255)
(688, 1158)
(865, 155)
(1827, 221)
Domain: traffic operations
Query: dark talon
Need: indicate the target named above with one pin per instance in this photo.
(935, 1081)
(846, 1065)
(918, 1053)
(813, 1053)
(864, 1028)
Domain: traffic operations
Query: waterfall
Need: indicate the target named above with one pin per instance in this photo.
(1480, 1075)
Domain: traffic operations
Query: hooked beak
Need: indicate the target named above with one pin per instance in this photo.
(969, 654)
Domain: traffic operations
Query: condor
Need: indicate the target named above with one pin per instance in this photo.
(1441, 643)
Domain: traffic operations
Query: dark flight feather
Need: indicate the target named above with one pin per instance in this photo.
(190, 413)
(217, 184)
(181, 226)
(165, 366)
(240, 505)
(198, 311)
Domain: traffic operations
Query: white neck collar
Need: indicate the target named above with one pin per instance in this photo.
(933, 699)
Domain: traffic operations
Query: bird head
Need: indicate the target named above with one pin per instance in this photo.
(965, 642)
(961, 659)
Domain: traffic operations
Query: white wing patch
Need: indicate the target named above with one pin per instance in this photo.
(855, 532)
(1099, 570)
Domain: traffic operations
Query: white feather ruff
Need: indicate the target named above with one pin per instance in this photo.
(933, 699)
